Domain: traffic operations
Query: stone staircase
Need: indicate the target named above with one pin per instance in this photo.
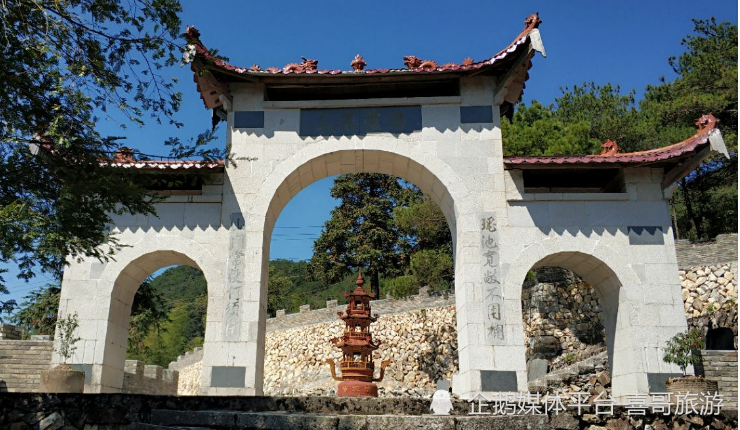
(561, 377)
(163, 419)
(21, 364)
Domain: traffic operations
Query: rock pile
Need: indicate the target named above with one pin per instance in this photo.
(707, 289)
(561, 323)
(588, 376)
(561, 317)
(421, 345)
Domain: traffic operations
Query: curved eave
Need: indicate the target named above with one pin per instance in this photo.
(660, 156)
(211, 75)
(215, 166)
(677, 160)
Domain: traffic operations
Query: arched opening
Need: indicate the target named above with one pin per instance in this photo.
(563, 329)
(168, 319)
(123, 296)
(348, 162)
(570, 309)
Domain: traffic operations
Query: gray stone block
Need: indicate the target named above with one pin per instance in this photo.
(536, 368)
(497, 380)
(228, 377)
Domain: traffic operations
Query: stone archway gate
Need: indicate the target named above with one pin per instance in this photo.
(604, 216)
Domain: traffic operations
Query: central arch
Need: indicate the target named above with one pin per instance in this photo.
(429, 173)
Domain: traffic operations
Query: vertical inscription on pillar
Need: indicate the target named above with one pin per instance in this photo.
(492, 292)
(234, 278)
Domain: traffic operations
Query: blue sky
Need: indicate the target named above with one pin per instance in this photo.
(622, 42)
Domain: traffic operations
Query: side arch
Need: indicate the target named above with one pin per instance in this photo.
(620, 291)
(104, 306)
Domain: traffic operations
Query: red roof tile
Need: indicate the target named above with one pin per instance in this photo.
(167, 164)
(688, 147)
(208, 89)
(193, 36)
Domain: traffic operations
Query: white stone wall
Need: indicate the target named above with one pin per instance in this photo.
(589, 234)
(226, 233)
(101, 293)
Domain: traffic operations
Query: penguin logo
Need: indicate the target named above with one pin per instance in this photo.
(441, 403)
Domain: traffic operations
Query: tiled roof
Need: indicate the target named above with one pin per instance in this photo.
(690, 146)
(211, 88)
(531, 23)
(168, 165)
(124, 159)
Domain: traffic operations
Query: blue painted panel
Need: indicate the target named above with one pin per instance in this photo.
(476, 114)
(360, 121)
(249, 119)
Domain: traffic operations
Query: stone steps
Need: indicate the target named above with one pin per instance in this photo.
(587, 365)
(202, 420)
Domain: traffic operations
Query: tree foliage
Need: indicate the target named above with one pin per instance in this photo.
(682, 349)
(380, 225)
(360, 232)
(65, 66)
(38, 313)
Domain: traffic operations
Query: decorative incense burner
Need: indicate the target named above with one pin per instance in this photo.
(357, 347)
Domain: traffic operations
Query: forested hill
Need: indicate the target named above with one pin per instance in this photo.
(289, 287)
(180, 298)
(182, 283)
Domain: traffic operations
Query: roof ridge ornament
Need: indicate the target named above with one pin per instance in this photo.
(124, 155)
(307, 65)
(192, 34)
(609, 147)
(706, 122)
(358, 63)
(532, 21)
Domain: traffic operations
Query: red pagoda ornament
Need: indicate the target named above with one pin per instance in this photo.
(357, 347)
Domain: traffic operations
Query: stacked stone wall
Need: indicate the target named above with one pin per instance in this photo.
(10, 332)
(721, 367)
(722, 249)
(21, 364)
(424, 300)
(148, 379)
(190, 371)
(421, 345)
(561, 317)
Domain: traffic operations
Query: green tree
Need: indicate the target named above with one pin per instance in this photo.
(608, 113)
(66, 64)
(422, 224)
(706, 81)
(279, 291)
(579, 120)
(683, 349)
(38, 313)
(361, 232)
(536, 130)
(148, 312)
